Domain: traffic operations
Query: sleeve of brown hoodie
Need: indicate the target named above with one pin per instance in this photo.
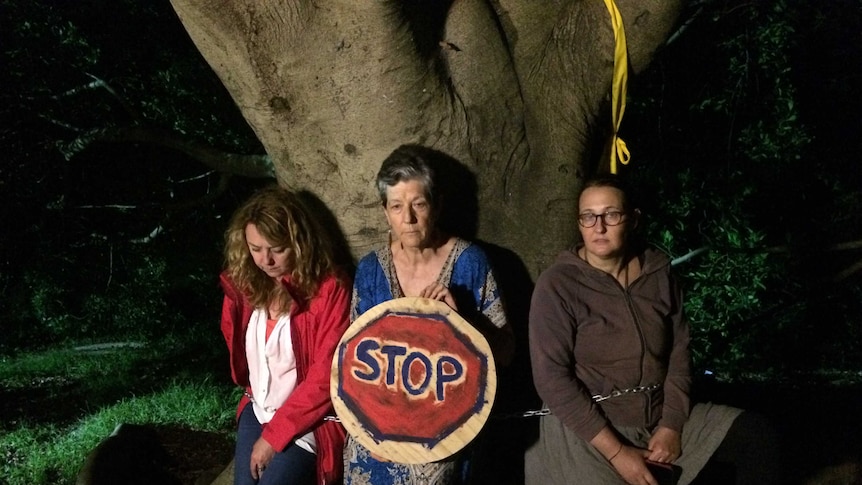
(677, 384)
(552, 331)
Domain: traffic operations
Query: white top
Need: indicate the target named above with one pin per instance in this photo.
(272, 369)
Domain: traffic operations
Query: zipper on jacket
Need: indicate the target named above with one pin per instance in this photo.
(646, 402)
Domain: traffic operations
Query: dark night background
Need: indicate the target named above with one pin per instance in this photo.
(745, 134)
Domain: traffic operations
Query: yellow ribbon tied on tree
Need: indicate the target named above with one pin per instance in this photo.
(618, 149)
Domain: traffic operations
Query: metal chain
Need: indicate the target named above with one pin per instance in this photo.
(622, 392)
(526, 414)
(544, 411)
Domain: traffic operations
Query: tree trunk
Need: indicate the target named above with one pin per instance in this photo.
(516, 91)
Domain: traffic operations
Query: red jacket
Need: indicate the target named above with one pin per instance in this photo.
(316, 328)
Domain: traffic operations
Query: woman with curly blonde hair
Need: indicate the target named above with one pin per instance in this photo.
(285, 309)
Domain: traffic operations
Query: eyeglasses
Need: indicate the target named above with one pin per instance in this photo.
(609, 218)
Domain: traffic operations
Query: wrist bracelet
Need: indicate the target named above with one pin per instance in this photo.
(617, 453)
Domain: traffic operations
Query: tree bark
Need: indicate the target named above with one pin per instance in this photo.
(516, 91)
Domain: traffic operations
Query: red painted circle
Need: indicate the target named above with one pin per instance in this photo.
(412, 380)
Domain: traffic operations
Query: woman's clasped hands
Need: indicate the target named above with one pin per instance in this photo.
(438, 291)
(631, 461)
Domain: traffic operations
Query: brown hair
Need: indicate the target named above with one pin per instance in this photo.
(284, 220)
(630, 207)
(612, 181)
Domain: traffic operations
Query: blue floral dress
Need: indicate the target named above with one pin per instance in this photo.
(468, 276)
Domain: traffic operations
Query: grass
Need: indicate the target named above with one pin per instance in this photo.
(69, 400)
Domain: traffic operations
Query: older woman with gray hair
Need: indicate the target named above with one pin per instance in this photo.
(421, 260)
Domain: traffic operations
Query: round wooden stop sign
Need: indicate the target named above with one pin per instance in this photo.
(413, 381)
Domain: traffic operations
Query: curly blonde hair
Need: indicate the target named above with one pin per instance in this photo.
(284, 220)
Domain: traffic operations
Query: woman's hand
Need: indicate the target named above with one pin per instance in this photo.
(439, 292)
(628, 461)
(631, 465)
(664, 445)
(261, 454)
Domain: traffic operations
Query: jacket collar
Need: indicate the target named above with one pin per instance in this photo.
(653, 260)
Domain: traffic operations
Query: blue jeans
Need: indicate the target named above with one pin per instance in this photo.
(293, 466)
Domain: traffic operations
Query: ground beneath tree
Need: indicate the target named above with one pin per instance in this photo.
(820, 424)
(199, 456)
(195, 457)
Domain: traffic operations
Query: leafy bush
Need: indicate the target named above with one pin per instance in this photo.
(106, 239)
(720, 265)
(723, 135)
(137, 306)
(148, 293)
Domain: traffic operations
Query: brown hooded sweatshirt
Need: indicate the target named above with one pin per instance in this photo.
(589, 336)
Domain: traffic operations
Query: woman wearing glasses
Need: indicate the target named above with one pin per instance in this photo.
(609, 349)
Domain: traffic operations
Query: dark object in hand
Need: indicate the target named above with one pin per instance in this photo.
(664, 473)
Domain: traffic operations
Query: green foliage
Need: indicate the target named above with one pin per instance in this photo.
(20, 371)
(725, 132)
(106, 242)
(136, 305)
(759, 71)
(19, 450)
(112, 239)
(49, 454)
(77, 397)
(724, 284)
(145, 297)
(46, 303)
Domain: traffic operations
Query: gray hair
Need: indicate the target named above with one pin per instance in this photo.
(406, 163)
